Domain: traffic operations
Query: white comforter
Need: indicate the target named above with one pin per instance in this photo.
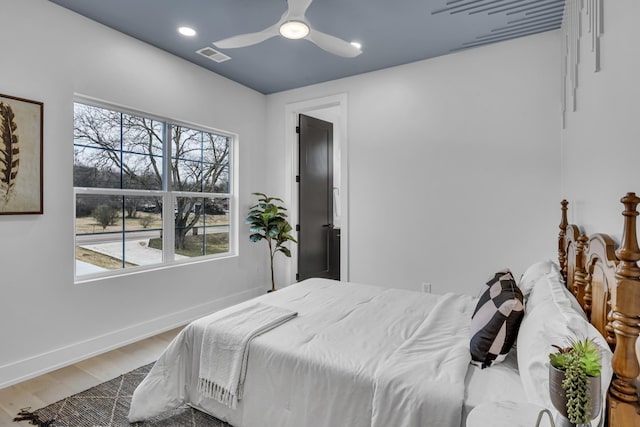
(356, 355)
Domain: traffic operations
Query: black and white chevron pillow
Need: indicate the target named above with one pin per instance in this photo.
(496, 320)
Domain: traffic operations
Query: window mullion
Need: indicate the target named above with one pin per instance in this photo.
(168, 200)
(117, 191)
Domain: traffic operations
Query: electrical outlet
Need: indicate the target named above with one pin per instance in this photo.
(426, 287)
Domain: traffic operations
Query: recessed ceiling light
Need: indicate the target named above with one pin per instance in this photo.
(187, 31)
(356, 44)
(294, 30)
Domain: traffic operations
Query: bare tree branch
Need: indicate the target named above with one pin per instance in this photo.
(130, 146)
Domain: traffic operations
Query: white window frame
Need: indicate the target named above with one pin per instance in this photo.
(168, 196)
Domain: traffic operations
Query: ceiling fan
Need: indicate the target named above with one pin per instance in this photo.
(294, 25)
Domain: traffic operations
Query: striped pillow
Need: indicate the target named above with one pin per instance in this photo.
(496, 320)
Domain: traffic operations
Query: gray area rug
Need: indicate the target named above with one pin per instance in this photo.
(107, 405)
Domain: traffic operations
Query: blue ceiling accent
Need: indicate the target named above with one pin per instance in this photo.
(391, 32)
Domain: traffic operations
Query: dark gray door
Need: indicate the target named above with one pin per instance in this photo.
(315, 209)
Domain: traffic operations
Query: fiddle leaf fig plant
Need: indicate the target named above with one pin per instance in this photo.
(580, 360)
(268, 221)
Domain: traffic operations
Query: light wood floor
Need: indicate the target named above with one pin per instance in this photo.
(49, 388)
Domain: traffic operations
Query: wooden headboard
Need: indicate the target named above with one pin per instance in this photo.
(606, 283)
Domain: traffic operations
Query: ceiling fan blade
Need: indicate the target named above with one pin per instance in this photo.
(333, 44)
(248, 39)
(297, 8)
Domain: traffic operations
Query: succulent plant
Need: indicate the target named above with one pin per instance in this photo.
(579, 361)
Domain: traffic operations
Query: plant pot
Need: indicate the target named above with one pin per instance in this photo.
(559, 398)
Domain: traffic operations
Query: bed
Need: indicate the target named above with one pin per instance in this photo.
(362, 355)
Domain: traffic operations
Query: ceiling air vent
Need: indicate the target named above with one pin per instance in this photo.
(213, 54)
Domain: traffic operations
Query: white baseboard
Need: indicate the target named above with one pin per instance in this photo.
(25, 369)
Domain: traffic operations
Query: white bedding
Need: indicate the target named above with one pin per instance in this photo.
(356, 355)
(498, 383)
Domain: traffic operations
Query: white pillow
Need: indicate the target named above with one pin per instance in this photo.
(550, 321)
(534, 273)
(550, 287)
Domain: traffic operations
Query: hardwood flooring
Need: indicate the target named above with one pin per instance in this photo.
(49, 388)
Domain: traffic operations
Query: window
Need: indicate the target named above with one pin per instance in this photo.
(147, 192)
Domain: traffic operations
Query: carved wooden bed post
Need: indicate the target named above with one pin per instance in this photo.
(580, 275)
(562, 252)
(624, 409)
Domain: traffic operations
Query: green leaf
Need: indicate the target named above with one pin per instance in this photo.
(285, 251)
(273, 233)
(275, 220)
(591, 365)
(559, 360)
(255, 237)
(273, 210)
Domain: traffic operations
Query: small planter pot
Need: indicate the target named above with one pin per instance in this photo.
(559, 399)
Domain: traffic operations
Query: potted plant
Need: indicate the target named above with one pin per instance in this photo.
(574, 381)
(268, 220)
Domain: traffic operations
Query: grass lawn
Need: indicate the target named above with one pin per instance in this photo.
(215, 244)
(100, 260)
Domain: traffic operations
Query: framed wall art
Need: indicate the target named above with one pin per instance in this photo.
(21, 122)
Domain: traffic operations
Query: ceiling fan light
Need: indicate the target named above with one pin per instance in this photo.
(294, 30)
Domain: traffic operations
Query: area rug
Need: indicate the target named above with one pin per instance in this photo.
(107, 405)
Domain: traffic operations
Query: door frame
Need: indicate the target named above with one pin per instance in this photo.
(291, 159)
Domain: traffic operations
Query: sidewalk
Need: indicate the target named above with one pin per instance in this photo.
(136, 251)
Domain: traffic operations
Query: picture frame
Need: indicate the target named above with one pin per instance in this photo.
(21, 164)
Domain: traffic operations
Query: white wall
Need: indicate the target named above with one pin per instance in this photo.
(601, 141)
(453, 164)
(49, 54)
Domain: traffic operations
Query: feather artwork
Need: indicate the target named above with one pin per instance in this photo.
(9, 149)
